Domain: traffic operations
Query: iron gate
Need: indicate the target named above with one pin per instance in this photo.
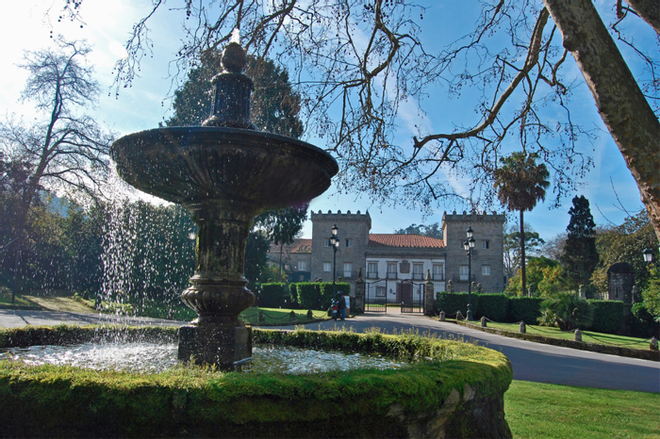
(412, 296)
(375, 296)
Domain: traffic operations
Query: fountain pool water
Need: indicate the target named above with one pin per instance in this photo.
(130, 357)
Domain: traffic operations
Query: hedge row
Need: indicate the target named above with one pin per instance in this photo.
(301, 295)
(608, 314)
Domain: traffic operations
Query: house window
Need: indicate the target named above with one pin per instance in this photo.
(327, 267)
(326, 243)
(485, 245)
(485, 270)
(348, 270)
(381, 291)
(463, 272)
(302, 266)
(418, 271)
(391, 270)
(372, 270)
(438, 272)
(349, 242)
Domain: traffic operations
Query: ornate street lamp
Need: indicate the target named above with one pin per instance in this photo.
(334, 242)
(468, 245)
(648, 255)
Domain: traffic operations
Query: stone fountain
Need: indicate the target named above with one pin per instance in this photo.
(225, 173)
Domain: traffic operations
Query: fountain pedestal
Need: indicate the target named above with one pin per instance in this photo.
(218, 292)
(225, 173)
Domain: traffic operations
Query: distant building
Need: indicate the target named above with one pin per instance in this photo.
(392, 263)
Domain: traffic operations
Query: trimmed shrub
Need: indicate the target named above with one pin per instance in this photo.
(642, 323)
(273, 295)
(319, 295)
(293, 293)
(526, 309)
(450, 303)
(608, 316)
(493, 306)
(567, 311)
(309, 295)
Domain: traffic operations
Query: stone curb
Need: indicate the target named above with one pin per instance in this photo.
(593, 347)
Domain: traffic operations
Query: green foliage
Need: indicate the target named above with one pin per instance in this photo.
(273, 295)
(567, 311)
(432, 230)
(642, 323)
(293, 294)
(526, 309)
(319, 295)
(544, 278)
(625, 243)
(512, 249)
(493, 306)
(580, 256)
(309, 295)
(607, 316)
(651, 294)
(451, 303)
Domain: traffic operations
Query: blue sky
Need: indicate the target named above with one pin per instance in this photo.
(23, 26)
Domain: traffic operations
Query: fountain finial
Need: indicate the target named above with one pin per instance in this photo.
(231, 106)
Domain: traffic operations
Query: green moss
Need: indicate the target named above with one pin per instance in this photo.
(189, 400)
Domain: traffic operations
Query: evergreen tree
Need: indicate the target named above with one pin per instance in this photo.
(580, 255)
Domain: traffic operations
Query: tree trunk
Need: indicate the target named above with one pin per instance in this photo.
(620, 102)
(522, 254)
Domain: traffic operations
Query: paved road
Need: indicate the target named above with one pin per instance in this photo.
(531, 361)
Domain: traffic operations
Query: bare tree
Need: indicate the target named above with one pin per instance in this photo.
(364, 60)
(64, 148)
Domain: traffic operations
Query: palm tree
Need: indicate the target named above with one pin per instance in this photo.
(520, 184)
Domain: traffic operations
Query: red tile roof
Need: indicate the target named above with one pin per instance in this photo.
(298, 246)
(389, 240)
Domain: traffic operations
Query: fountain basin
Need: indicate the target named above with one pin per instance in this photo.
(455, 391)
(240, 168)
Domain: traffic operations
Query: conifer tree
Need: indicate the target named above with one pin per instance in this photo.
(580, 254)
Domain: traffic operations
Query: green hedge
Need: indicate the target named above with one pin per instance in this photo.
(319, 295)
(451, 303)
(60, 401)
(608, 316)
(525, 308)
(496, 307)
(274, 295)
(493, 306)
(293, 293)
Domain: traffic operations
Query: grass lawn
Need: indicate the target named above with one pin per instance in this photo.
(68, 304)
(539, 411)
(587, 336)
(5, 299)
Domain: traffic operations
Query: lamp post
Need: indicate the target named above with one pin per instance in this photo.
(648, 255)
(334, 242)
(468, 245)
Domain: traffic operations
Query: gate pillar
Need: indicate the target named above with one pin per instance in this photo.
(429, 295)
(359, 293)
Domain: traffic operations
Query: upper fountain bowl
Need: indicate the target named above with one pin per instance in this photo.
(254, 169)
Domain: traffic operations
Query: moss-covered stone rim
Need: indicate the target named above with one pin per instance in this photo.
(443, 366)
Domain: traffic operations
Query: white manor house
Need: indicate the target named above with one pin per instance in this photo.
(393, 265)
